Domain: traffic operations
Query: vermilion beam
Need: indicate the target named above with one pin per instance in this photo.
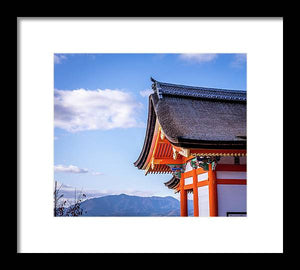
(212, 189)
(195, 194)
(183, 199)
(167, 161)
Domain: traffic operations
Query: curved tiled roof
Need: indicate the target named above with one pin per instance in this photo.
(173, 183)
(196, 117)
(148, 137)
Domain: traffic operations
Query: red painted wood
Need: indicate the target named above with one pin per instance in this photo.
(195, 194)
(212, 189)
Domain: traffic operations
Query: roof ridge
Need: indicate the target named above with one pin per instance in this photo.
(162, 88)
(200, 87)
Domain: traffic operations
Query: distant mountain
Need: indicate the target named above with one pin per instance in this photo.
(125, 205)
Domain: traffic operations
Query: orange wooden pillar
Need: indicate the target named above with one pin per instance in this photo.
(195, 194)
(183, 198)
(213, 195)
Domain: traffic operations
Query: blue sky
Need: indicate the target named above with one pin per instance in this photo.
(101, 106)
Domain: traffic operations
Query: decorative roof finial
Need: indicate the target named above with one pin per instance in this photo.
(152, 79)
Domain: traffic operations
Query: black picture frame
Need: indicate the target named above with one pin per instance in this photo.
(232, 214)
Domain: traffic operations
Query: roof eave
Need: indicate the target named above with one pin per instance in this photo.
(148, 136)
(207, 144)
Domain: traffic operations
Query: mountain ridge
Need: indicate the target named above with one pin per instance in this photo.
(131, 205)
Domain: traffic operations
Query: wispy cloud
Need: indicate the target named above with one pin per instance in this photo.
(239, 60)
(69, 169)
(58, 58)
(97, 173)
(74, 169)
(146, 93)
(68, 193)
(78, 110)
(198, 57)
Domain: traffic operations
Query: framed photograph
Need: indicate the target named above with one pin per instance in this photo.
(134, 127)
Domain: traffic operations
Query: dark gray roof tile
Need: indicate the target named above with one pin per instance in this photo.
(167, 89)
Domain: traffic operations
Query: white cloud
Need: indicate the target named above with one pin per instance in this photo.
(58, 58)
(69, 169)
(78, 110)
(239, 60)
(146, 93)
(198, 57)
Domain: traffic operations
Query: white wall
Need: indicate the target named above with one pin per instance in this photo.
(188, 167)
(202, 177)
(231, 175)
(203, 201)
(188, 181)
(232, 198)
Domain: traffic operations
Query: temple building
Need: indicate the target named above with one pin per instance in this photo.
(198, 135)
